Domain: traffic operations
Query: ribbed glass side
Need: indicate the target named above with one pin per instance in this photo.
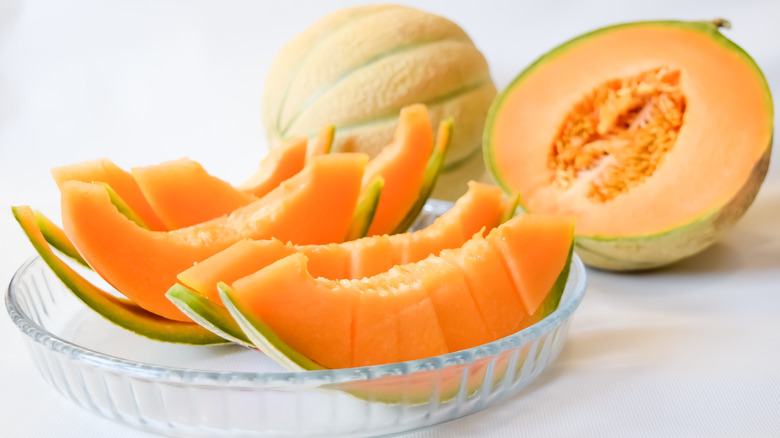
(203, 402)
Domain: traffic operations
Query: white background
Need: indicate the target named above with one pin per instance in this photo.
(692, 350)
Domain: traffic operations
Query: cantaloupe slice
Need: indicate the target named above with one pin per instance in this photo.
(105, 171)
(284, 297)
(321, 144)
(182, 193)
(433, 169)
(402, 165)
(280, 164)
(118, 310)
(143, 264)
(480, 207)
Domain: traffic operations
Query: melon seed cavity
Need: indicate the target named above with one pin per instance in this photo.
(618, 134)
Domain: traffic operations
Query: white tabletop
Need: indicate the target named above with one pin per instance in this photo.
(692, 350)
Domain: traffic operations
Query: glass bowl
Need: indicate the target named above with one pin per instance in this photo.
(233, 391)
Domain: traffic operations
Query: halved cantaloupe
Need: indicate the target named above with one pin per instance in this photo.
(655, 135)
(142, 264)
(480, 208)
(182, 193)
(402, 165)
(121, 181)
(319, 318)
(118, 310)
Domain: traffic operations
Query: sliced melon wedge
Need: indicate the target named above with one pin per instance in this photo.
(322, 144)
(317, 317)
(279, 165)
(402, 164)
(431, 175)
(263, 337)
(478, 209)
(183, 193)
(119, 311)
(143, 264)
(105, 171)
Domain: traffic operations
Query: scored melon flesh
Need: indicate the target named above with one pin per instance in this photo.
(375, 329)
(182, 193)
(491, 287)
(143, 264)
(434, 307)
(419, 332)
(534, 253)
(105, 171)
(370, 256)
(479, 208)
(457, 313)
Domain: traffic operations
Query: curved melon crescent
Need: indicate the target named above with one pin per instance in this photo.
(438, 305)
(143, 264)
(481, 208)
(121, 312)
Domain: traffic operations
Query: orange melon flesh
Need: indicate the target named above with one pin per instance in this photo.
(123, 183)
(370, 256)
(419, 332)
(322, 143)
(402, 165)
(461, 323)
(375, 329)
(143, 264)
(480, 207)
(317, 320)
(718, 118)
(182, 193)
(280, 164)
(534, 254)
(285, 297)
(491, 287)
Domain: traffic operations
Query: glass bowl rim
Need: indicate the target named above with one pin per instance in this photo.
(169, 373)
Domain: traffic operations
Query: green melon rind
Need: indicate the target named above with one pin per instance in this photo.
(431, 174)
(627, 253)
(56, 237)
(207, 314)
(262, 336)
(119, 311)
(656, 250)
(365, 209)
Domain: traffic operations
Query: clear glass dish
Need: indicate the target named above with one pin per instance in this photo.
(233, 391)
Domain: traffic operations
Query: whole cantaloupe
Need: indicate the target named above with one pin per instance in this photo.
(357, 67)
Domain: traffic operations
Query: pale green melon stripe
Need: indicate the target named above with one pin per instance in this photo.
(400, 49)
(296, 70)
